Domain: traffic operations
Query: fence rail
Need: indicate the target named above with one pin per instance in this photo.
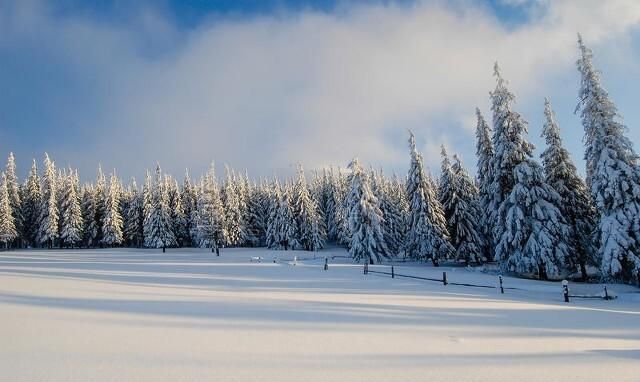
(500, 285)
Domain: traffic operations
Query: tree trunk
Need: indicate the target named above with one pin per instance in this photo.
(583, 270)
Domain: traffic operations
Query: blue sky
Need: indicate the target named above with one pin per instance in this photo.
(263, 85)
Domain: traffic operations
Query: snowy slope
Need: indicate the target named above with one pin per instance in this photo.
(136, 315)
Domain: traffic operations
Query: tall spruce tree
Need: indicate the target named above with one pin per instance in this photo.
(613, 175)
(365, 218)
(134, 216)
(463, 222)
(210, 213)
(576, 204)
(30, 209)
(510, 149)
(309, 233)
(427, 237)
(533, 237)
(7, 226)
(13, 189)
(158, 232)
(48, 220)
(112, 219)
(70, 212)
(484, 152)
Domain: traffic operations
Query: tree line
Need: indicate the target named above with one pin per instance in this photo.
(533, 219)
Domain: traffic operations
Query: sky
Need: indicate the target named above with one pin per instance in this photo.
(265, 85)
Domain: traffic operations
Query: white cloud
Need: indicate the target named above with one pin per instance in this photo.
(266, 92)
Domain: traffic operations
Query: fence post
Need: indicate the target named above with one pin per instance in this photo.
(606, 293)
(501, 287)
(565, 290)
(366, 268)
(444, 278)
(326, 264)
(393, 273)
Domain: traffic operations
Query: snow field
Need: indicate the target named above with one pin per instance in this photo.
(187, 315)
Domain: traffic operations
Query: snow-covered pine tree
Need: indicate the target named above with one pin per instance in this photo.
(71, 222)
(99, 200)
(393, 219)
(87, 205)
(234, 220)
(576, 204)
(399, 198)
(112, 219)
(510, 149)
(158, 232)
(7, 226)
(210, 213)
(464, 223)
(341, 218)
(365, 218)
(534, 230)
(484, 152)
(613, 175)
(176, 212)
(147, 209)
(309, 233)
(133, 232)
(427, 237)
(48, 221)
(15, 200)
(273, 238)
(446, 186)
(30, 209)
(190, 207)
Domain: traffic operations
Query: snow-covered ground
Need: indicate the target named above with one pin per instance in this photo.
(186, 315)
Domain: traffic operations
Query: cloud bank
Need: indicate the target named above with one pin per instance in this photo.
(266, 92)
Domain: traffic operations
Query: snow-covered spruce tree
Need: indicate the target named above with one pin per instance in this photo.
(234, 220)
(484, 153)
(15, 200)
(133, 232)
(281, 226)
(190, 207)
(446, 186)
(576, 204)
(176, 212)
(210, 213)
(427, 237)
(463, 221)
(613, 175)
(99, 207)
(112, 219)
(71, 222)
(393, 220)
(256, 215)
(30, 209)
(533, 240)
(158, 232)
(309, 232)
(7, 226)
(342, 208)
(510, 149)
(48, 221)
(365, 218)
(87, 205)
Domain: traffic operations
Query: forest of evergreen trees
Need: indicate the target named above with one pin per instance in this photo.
(541, 220)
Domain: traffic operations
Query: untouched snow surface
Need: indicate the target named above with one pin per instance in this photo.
(186, 315)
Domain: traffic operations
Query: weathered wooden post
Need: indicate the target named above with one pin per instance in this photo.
(366, 268)
(606, 293)
(326, 263)
(393, 273)
(565, 290)
(501, 287)
(444, 278)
